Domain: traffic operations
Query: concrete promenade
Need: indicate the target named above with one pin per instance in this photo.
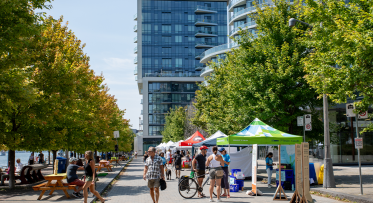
(132, 188)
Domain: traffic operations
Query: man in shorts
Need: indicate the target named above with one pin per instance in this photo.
(199, 166)
(153, 171)
(177, 162)
(72, 177)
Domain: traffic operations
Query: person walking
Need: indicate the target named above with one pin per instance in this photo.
(269, 167)
(163, 159)
(153, 171)
(225, 180)
(136, 154)
(216, 173)
(177, 163)
(146, 155)
(199, 166)
(41, 157)
(168, 157)
(31, 159)
(90, 176)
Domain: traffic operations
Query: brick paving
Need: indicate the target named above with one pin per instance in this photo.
(132, 188)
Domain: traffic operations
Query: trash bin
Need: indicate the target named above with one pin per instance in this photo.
(61, 164)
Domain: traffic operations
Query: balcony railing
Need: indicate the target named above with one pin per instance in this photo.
(218, 49)
(203, 20)
(135, 72)
(142, 112)
(135, 39)
(208, 9)
(135, 17)
(135, 28)
(136, 78)
(141, 101)
(247, 10)
(135, 50)
(234, 2)
(206, 43)
(198, 68)
(206, 32)
(171, 75)
(135, 61)
(252, 23)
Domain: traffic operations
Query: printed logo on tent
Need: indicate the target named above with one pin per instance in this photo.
(198, 139)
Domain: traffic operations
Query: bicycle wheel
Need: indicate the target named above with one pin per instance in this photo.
(188, 188)
(221, 191)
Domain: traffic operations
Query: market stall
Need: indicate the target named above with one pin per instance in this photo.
(197, 137)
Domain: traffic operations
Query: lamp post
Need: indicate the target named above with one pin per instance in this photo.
(328, 164)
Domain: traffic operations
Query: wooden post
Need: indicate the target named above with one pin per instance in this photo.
(279, 189)
(298, 193)
(306, 174)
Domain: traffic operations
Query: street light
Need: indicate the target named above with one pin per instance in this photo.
(328, 164)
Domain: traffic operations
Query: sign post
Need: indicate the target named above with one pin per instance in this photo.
(358, 146)
(306, 173)
(298, 193)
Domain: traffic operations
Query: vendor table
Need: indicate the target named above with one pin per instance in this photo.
(104, 164)
(53, 186)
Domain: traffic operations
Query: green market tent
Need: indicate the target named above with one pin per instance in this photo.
(262, 134)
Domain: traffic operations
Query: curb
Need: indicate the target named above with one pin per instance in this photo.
(352, 198)
(93, 199)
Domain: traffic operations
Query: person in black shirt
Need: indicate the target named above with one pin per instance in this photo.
(177, 163)
(90, 174)
(146, 156)
(41, 157)
(72, 177)
(199, 166)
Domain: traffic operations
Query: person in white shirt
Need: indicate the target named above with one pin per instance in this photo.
(168, 157)
(19, 165)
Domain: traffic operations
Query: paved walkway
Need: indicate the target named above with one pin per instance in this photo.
(132, 188)
(23, 195)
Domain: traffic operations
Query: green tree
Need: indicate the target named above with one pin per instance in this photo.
(341, 63)
(174, 126)
(262, 78)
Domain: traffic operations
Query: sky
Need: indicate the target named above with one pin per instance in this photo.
(107, 29)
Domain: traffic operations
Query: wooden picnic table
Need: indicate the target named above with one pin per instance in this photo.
(104, 164)
(58, 185)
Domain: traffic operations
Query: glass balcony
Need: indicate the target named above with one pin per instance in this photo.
(202, 21)
(142, 112)
(205, 44)
(171, 75)
(206, 71)
(135, 61)
(216, 50)
(135, 17)
(206, 33)
(198, 68)
(135, 50)
(141, 101)
(243, 27)
(136, 78)
(135, 72)
(135, 28)
(205, 9)
(242, 13)
(235, 3)
(135, 39)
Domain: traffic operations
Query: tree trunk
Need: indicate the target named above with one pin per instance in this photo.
(106, 156)
(54, 152)
(67, 158)
(49, 157)
(74, 153)
(11, 157)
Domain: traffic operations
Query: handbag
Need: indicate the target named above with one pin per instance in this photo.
(163, 184)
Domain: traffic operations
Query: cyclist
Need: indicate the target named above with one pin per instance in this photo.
(200, 161)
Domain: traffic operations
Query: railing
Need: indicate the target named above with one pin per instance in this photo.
(247, 10)
(206, 43)
(206, 8)
(197, 68)
(205, 69)
(136, 78)
(206, 32)
(141, 101)
(205, 21)
(142, 112)
(135, 60)
(135, 39)
(135, 72)
(135, 17)
(234, 2)
(171, 75)
(135, 50)
(252, 23)
(135, 28)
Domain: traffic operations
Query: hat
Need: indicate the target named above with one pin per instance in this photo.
(221, 149)
(72, 159)
(203, 147)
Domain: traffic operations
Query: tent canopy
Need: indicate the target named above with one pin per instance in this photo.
(260, 133)
(211, 141)
(195, 138)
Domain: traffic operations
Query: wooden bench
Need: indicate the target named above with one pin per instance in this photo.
(35, 172)
(22, 176)
(42, 186)
(52, 186)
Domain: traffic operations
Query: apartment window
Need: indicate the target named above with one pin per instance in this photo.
(191, 39)
(166, 63)
(166, 16)
(191, 28)
(178, 28)
(166, 39)
(179, 62)
(146, 28)
(146, 39)
(191, 18)
(166, 50)
(146, 17)
(146, 61)
(166, 28)
(179, 39)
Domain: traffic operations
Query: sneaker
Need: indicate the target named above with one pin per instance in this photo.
(219, 200)
(75, 194)
(80, 194)
(211, 200)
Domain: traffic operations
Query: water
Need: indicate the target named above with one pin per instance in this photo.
(24, 156)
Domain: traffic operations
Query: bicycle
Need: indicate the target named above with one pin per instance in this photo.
(190, 187)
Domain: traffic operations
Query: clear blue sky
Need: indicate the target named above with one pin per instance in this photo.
(107, 29)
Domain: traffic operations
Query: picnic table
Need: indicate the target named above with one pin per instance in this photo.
(104, 164)
(58, 185)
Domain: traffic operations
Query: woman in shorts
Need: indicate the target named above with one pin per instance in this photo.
(215, 162)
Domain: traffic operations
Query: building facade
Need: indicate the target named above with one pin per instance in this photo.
(171, 36)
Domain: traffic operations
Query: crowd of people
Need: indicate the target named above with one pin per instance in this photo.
(217, 164)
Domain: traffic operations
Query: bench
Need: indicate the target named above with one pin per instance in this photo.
(34, 172)
(43, 186)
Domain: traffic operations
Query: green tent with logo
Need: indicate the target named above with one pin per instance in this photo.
(262, 134)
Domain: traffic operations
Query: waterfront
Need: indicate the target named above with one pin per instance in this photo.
(23, 155)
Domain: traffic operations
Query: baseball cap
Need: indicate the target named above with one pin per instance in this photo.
(221, 149)
(203, 147)
(73, 159)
